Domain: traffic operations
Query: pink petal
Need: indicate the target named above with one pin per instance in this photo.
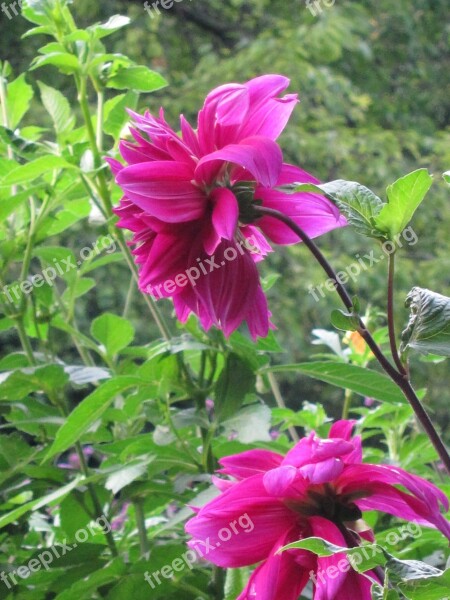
(377, 482)
(334, 578)
(313, 449)
(322, 472)
(342, 429)
(250, 463)
(258, 522)
(279, 577)
(260, 156)
(225, 213)
(164, 190)
(278, 481)
(229, 293)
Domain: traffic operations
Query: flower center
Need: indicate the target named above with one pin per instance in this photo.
(324, 501)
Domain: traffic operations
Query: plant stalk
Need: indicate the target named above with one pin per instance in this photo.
(400, 379)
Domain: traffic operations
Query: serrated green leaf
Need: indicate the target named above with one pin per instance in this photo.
(428, 329)
(58, 108)
(360, 380)
(116, 115)
(405, 195)
(357, 203)
(35, 169)
(429, 587)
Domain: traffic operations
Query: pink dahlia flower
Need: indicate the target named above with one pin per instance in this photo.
(188, 199)
(320, 488)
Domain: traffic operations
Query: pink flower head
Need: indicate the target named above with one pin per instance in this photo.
(320, 488)
(189, 201)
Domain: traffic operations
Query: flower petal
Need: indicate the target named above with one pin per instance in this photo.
(248, 510)
(225, 213)
(164, 190)
(260, 156)
(279, 577)
(250, 463)
(313, 449)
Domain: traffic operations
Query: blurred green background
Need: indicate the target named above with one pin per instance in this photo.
(374, 105)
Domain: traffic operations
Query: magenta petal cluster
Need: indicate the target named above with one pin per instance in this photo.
(188, 199)
(320, 488)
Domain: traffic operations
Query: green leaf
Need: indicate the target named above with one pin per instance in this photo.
(344, 321)
(357, 203)
(446, 177)
(35, 169)
(10, 204)
(361, 558)
(250, 424)
(358, 379)
(235, 582)
(115, 333)
(140, 79)
(38, 11)
(58, 108)
(19, 95)
(404, 196)
(127, 474)
(88, 411)
(116, 115)
(431, 586)
(47, 500)
(65, 62)
(235, 381)
(428, 329)
(113, 24)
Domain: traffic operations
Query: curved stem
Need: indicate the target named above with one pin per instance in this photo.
(400, 379)
(391, 316)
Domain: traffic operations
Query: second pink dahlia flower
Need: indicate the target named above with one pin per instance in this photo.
(189, 201)
(320, 488)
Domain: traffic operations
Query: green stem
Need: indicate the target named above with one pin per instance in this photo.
(25, 341)
(142, 531)
(391, 315)
(5, 111)
(347, 404)
(100, 116)
(281, 403)
(219, 576)
(400, 379)
(95, 501)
